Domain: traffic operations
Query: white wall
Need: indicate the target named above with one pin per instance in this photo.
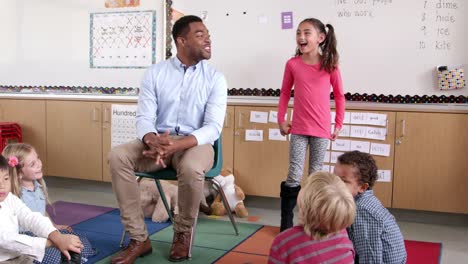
(47, 43)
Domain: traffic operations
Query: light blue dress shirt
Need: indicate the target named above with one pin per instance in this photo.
(184, 100)
(35, 199)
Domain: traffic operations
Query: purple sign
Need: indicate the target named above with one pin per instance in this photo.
(286, 20)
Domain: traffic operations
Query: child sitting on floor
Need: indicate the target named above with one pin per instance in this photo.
(326, 208)
(18, 248)
(33, 192)
(375, 234)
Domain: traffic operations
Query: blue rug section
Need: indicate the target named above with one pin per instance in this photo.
(105, 231)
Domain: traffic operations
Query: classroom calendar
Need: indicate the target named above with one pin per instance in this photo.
(123, 127)
(122, 39)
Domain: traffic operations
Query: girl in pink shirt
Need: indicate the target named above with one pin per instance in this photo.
(312, 72)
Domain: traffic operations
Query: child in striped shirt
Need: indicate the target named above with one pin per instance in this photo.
(326, 208)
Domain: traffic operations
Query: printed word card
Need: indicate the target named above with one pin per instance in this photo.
(334, 156)
(363, 146)
(253, 135)
(380, 149)
(384, 176)
(341, 145)
(258, 117)
(326, 158)
(123, 127)
(275, 134)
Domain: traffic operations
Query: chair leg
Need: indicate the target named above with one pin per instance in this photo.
(192, 238)
(226, 205)
(122, 240)
(163, 197)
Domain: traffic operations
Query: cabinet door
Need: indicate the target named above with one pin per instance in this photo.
(228, 138)
(74, 139)
(383, 190)
(259, 167)
(31, 116)
(431, 162)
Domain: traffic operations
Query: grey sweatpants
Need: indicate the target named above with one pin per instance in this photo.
(297, 154)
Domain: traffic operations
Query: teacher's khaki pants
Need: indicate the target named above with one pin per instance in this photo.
(191, 165)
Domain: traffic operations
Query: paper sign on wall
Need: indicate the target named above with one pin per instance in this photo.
(347, 118)
(377, 133)
(380, 149)
(334, 156)
(326, 158)
(273, 117)
(358, 131)
(253, 135)
(376, 119)
(286, 20)
(123, 127)
(341, 145)
(363, 146)
(384, 176)
(258, 117)
(345, 131)
(275, 134)
(358, 118)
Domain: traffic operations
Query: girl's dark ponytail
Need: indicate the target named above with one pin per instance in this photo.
(329, 53)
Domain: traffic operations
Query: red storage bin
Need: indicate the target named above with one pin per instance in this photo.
(10, 132)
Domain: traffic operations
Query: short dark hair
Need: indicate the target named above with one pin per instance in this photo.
(3, 163)
(182, 26)
(364, 164)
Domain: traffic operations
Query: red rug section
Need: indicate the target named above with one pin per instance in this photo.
(256, 248)
(423, 252)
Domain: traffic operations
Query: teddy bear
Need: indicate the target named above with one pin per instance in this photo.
(152, 203)
(234, 196)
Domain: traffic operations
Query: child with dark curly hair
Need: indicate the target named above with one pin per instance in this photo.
(375, 234)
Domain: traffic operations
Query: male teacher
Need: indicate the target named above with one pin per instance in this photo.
(181, 108)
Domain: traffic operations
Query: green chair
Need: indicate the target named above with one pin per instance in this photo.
(171, 175)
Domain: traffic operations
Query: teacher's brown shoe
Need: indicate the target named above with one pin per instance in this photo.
(180, 246)
(134, 250)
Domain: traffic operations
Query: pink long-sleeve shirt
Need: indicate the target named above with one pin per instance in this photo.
(311, 115)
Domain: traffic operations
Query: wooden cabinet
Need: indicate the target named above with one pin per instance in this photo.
(228, 138)
(31, 116)
(431, 162)
(259, 167)
(74, 139)
(427, 157)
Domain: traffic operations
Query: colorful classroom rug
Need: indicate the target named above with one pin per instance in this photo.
(215, 241)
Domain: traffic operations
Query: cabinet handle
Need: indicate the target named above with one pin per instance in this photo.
(95, 117)
(403, 127)
(239, 123)
(105, 119)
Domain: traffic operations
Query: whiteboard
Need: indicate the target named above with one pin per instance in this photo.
(47, 42)
(385, 46)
